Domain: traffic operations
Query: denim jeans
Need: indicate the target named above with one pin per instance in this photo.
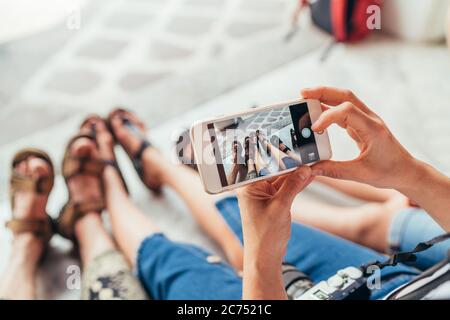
(411, 226)
(320, 255)
(171, 270)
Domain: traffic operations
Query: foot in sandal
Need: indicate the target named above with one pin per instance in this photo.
(130, 132)
(31, 182)
(86, 156)
(82, 169)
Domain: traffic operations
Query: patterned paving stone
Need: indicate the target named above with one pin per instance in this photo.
(102, 49)
(128, 20)
(205, 3)
(263, 5)
(158, 2)
(74, 82)
(163, 50)
(190, 25)
(20, 120)
(136, 80)
(243, 29)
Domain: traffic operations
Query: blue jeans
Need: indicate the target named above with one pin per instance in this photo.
(170, 270)
(411, 226)
(290, 163)
(320, 255)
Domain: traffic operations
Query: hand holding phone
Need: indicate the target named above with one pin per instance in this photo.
(251, 146)
(383, 161)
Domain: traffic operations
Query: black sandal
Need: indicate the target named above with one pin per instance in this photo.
(261, 137)
(135, 158)
(275, 140)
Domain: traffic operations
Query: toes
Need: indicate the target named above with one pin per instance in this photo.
(116, 113)
(97, 124)
(91, 124)
(21, 168)
(136, 120)
(38, 168)
(83, 147)
(122, 113)
(117, 127)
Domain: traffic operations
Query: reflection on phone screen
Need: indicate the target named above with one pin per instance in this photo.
(263, 143)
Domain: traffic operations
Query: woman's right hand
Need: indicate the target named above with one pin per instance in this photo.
(383, 162)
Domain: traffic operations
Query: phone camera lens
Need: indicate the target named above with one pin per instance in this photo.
(306, 133)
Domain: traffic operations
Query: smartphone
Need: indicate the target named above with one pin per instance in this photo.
(235, 150)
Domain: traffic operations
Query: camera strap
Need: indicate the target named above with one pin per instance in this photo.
(406, 256)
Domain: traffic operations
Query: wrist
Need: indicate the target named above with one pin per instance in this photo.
(263, 279)
(262, 263)
(263, 251)
(416, 170)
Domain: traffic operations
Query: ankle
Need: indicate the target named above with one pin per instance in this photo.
(26, 251)
(156, 163)
(88, 224)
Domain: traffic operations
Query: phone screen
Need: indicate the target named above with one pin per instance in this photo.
(263, 143)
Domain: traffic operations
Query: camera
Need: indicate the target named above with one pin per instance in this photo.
(347, 284)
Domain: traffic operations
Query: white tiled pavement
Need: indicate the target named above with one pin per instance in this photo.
(407, 84)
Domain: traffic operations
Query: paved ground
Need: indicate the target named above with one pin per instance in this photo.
(161, 57)
(405, 83)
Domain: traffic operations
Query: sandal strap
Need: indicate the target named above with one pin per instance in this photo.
(41, 185)
(286, 149)
(19, 182)
(41, 228)
(74, 166)
(137, 158)
(73, 211)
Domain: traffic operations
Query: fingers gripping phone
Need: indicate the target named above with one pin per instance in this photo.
(261, 143)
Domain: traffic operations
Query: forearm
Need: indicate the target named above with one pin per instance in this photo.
(430, 189)
(262, 278)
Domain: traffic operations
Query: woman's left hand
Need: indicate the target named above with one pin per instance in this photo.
(266, 222)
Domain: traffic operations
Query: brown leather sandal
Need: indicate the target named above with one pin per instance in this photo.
(43, 228)
(93, 133)
(73, 166)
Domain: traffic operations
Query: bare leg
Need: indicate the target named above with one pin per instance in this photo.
(232, 177)
(367, 224)
(251, 166)
(277, 154)
(358, 190)
(259, 162)
(130, 226)
(187, 184)
(294, 156)
(93, 239)
(18, 279)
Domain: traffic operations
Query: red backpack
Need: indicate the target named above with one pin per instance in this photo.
(346, 20)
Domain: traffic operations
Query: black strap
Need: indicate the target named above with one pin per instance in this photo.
(407, 256)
